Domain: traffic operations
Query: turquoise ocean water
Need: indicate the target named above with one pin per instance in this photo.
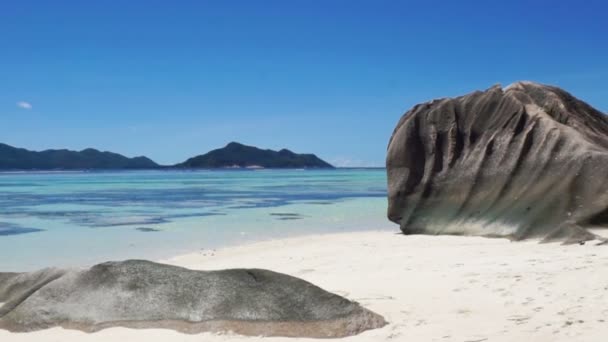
(80, 218)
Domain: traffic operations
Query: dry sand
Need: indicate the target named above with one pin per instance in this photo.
(430, 288)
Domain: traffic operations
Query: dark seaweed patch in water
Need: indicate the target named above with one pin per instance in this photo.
(187, 198)
(194, 215)
(95, 219)
(101, 221)
(12, 185)
(287, 216)
(14, 229)
(147, 229)
(48, 214)
(284, 214)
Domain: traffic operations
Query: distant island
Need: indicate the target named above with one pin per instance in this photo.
(233, 155)
(13, 158)
(243, 156)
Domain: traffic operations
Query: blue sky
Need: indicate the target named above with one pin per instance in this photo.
(172, 79)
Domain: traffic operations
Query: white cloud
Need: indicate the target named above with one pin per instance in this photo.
(24, 105)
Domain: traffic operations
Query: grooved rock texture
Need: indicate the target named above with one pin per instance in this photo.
(526, 161)
(143, 294)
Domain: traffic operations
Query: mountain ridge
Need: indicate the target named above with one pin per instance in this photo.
(233, 155)
(15, 158)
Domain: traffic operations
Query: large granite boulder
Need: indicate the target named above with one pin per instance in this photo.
(142, 294)
(526, 161)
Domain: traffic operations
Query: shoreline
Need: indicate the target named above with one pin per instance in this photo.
(428, 288)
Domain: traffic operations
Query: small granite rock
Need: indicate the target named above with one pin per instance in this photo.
(143, 294)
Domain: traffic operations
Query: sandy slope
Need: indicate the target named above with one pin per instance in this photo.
(430, 288)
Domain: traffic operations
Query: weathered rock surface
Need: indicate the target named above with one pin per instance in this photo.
(527, 161)
(142, 294)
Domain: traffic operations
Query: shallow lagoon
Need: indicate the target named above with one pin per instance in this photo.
(80, 218)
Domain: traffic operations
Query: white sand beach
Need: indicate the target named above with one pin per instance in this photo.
(429, 288)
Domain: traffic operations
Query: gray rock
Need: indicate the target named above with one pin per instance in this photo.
(527, 161)
(143, 294)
